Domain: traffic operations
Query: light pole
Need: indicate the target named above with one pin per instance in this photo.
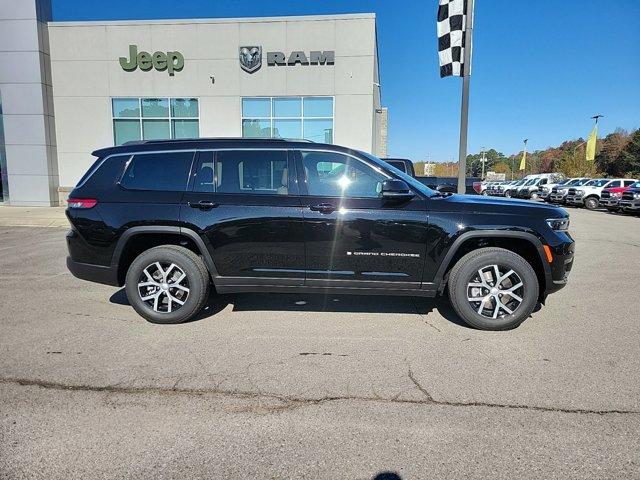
(483, 160)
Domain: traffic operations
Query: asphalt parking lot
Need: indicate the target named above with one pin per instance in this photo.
(296, 386)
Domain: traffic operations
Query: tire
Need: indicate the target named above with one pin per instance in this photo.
(591, 203)
(168, 308)
(484, 193)
(507, 194)
(465, 272)
(534, 196)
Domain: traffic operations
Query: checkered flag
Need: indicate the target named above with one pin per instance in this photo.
(451, 31)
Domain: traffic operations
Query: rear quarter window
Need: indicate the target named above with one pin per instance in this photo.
(158, 171)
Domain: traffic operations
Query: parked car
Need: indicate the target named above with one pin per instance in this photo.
(403, 164)
(589, 194)
(171, 220)
(448, 184)
(510, 190)
(610, 197)
(630, 200)
(495, 188)
(531, 188)
(559, 192)
(545, 191)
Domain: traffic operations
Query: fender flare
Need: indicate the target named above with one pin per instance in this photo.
(168, 229)
(535, 241)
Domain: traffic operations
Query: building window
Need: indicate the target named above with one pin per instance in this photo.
(154, 118)
(310, 118)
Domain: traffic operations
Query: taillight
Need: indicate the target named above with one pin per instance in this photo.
(82, 202)
(477, 186)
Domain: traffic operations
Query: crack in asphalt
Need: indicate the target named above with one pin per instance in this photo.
(292, 402)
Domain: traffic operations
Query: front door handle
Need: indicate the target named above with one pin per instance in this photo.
(203, 205)
(323, 208)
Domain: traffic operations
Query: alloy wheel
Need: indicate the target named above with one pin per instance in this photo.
(163, 286)
(495, 291)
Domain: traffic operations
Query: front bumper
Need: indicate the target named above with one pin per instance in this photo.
(557, 197)
(630, 204)
(563, 255)
(609, 202)
(574, 199)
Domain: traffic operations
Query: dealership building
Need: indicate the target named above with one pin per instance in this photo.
(68, 88)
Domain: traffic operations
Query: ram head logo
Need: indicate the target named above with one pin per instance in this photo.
(250, 58)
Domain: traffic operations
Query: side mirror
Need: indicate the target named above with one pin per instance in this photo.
(397, 189)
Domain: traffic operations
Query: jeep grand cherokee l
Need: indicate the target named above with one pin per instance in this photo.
(171, 220)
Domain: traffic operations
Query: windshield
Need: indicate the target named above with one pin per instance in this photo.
(564, 182)
(531, 182)
(412, 182)
(600, 183)
(584, 182)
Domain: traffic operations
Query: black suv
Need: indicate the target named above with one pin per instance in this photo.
(172, 219)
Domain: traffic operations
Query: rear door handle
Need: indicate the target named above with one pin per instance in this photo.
(203, 205)
(323, 208)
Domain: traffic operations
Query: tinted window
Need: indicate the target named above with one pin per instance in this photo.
(628, 182)
(252, 172)
(399, 165)
(158, 171)
(336, 175)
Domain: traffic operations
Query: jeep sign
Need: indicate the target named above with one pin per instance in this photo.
(170, 61)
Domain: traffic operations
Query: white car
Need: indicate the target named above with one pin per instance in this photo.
(589, 193)
(535, 183)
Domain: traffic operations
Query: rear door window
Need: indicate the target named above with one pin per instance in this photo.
(167, 171)
(254, 172)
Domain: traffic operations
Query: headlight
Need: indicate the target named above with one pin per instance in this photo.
(580, 192)
(558, 224)
(545, 189)
(636, 195)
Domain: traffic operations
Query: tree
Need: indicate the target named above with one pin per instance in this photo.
(629, 157)
(608, 158)
(474, 162)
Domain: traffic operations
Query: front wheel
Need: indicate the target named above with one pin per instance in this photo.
(507, 194)
(493, 289)
(591, 203)
(167, 284)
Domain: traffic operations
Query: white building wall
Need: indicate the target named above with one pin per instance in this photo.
(86, 75)
(29, 170)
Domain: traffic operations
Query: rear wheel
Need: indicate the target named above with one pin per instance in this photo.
(167, 284)
(493, 289)
(591, 203)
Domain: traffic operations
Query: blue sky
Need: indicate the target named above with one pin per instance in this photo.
(540, 69)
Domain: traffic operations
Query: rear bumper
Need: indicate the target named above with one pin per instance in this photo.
(93, 273)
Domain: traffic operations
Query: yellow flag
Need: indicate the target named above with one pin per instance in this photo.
(591, 144)
(523, 162)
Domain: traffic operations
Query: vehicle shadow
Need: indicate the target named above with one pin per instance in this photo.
(318, 303)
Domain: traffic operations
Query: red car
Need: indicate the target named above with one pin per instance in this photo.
(610, 197)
